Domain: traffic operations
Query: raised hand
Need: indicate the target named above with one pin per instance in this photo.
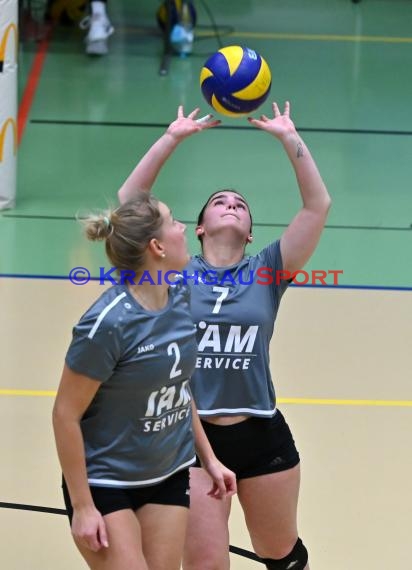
(280, 125)
(183, 127)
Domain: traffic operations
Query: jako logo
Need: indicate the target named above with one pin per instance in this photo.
(10, 121)
(3, 44)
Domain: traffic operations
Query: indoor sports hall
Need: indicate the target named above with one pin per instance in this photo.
(341, 355)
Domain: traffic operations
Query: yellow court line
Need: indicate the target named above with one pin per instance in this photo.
(319, 37)
(6, 392)
(304, 401)
(288, 36)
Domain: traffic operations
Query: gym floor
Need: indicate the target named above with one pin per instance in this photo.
(341, 354)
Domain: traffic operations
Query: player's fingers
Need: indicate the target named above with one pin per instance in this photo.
(193, 114)
(208, 122)
(103, 534)
(211, 124)
(213, 490)
(221, 488)
(91, 541)
(275, 108)
(204, 120)
(255, 122)
(231, 486)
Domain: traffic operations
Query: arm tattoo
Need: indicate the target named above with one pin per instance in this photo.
(299, 149)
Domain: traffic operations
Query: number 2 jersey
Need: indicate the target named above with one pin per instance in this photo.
(138, 429)
(235, 309)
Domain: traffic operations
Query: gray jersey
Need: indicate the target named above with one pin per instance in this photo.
(138, 428)
(235, 310)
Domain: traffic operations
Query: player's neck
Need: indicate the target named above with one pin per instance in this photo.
(222, 254)
(150, 297)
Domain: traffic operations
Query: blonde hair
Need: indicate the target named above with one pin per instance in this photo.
(127, 230)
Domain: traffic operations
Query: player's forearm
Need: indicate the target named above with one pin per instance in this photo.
(203, 448)
(70, 449)
(145, 173)
(315, 196)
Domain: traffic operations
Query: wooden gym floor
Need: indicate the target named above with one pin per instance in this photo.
(341, 355)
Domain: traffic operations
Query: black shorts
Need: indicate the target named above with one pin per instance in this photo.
(256, 446)
(172, 491)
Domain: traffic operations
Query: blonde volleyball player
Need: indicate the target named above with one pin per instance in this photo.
(124, 421)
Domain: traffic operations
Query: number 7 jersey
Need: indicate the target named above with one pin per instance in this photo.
(235, 309)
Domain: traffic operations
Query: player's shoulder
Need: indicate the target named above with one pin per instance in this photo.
(269, 254)
(108, 310)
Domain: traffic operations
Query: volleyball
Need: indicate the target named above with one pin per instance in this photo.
(235, 81)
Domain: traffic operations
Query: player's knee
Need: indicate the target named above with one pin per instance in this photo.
(296, 559)
(203, 560)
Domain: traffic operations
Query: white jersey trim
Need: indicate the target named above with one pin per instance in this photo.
(104, 313)
(111, 483)
(236, 411)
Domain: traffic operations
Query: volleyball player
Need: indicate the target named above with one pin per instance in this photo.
(124, 421)
(232, 383)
